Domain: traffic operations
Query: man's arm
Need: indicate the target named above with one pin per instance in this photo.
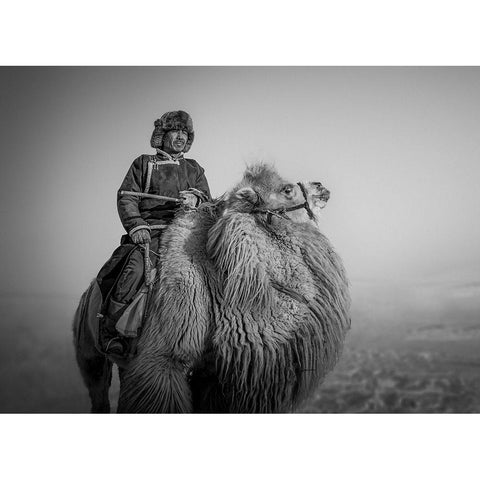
(202, 184)
(127, 205)
(199, 183)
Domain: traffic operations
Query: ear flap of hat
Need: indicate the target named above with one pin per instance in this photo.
(177, 120)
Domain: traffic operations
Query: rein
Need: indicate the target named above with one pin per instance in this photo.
(280, 212)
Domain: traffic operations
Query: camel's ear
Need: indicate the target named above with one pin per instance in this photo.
(248, 194)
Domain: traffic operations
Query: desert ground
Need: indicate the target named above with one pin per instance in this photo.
(410, 351)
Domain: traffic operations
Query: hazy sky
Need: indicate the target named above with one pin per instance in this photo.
(399, 148)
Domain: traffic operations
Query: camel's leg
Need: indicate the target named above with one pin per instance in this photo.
(158, 386)
(208, 395)
(95, 368)
(97, 375)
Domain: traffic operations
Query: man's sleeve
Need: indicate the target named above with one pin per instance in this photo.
(202, 184)
(127, 205)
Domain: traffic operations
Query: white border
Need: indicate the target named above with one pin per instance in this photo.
(240, 446)
(248, 32)
(240, 33)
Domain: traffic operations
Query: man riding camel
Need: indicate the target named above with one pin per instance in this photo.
(169, 174)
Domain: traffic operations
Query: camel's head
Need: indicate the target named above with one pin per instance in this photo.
(262, 190)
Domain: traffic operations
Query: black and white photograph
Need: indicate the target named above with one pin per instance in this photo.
(240, 239)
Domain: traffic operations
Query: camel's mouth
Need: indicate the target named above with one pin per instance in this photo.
(320, 194)
(318, 203)
(320, 200)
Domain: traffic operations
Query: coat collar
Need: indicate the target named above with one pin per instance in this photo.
(162, 156)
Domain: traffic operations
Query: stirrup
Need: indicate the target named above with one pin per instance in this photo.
(119, 339)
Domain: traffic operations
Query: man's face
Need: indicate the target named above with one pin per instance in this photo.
(174, 141)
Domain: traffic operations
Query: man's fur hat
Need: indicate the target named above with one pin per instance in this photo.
(178, 120)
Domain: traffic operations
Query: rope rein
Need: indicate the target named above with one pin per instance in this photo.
(143, 247)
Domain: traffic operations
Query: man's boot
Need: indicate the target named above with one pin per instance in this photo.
(111, 342)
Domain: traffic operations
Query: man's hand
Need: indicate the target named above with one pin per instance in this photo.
(141, 236)
(188, 199)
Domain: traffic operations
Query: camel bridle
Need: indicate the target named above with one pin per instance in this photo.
(280, 212)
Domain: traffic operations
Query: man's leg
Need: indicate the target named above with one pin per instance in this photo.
(125, 288)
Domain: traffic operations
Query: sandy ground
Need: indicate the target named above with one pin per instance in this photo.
(408, 360)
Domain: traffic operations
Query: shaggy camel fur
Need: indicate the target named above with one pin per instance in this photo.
(249, 313)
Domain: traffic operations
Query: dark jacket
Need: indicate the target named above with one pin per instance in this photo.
(154, 174)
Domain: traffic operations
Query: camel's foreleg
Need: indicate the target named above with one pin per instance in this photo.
(159, 387)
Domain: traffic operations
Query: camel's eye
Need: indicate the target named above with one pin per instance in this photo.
(288, 189)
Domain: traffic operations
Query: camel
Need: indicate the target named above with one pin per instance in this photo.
(248, 314)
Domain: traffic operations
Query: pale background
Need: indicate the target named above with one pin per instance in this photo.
(398, 148)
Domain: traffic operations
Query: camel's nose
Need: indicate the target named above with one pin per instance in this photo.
(323, 192)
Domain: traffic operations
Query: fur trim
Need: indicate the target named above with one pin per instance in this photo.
(176, 120)
(140, 227)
